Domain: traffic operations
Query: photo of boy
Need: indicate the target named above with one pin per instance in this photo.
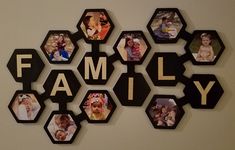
(97, 106)
(166, 25)
(95, 25)
(25, 106)
(62, 127)
(132, 47)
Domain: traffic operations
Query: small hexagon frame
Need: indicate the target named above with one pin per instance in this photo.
(37, 112)
(140, 38)
(110, 103)
(194, 42)
(178, 34)
(107, 34)
(177, 119)
(78, 127)
(65, 57)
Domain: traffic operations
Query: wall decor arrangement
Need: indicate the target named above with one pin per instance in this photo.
(166, 26)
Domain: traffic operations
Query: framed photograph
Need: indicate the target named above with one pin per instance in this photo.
(166, 25)
(98, 106)
(164, 111)
(58, 47)
(205, 47)
(96, 25)
(61, 127)
(26, 106)
(132, 47)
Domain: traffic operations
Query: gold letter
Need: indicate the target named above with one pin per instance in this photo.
(61, 77)
(130, 88)
(202, 91)
(160, 71)
(19, 64)
(95, 72)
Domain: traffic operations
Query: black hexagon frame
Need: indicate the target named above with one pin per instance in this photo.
(165, 35)
(133, 54)
(164, 120)
(36, 111)
(108, 21)
(194, 47)
(58, 52)
(101, 97)
(74, 123)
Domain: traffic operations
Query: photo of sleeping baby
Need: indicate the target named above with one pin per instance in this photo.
(166, 25)
(25, 106)
(205, 47)
(132, 47)
(62, 127)
(59, 47)
(95, 25)
(164, 112)
(97, 106)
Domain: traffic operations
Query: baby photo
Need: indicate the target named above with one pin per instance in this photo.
(164, 112)
(26, 106)
(95, 25)
(205, 47)
(59, 47)
(97, 106)
(132, 47)
(166, 25)
(62, 127)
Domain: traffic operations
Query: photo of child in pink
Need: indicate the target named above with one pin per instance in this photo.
(97, 106)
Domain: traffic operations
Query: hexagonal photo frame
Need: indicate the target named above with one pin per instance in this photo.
(61, 127)
(26, 107)
(98, 106)
(132, 47)
(59, 47)
(205, 48)
(95, 25)
(166, 25)
(164, 111)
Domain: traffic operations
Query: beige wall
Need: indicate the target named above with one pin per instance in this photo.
(24, 24)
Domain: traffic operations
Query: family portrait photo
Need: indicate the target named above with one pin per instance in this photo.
(59, 47)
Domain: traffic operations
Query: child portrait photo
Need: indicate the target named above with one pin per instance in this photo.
(132, 47)
(95, 25)
(166, 25)
(205, 47)
(25, 106)
(97, 106)
(59, 47)
(62, 127)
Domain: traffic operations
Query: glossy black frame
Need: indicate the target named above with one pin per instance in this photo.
(211, 32)
(108, 33)
(110, 99)
(181, 111)
(49, 120)
(50, 32)
(180, 33)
